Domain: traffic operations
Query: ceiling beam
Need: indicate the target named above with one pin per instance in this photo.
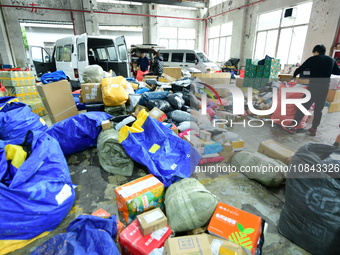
(184, 3)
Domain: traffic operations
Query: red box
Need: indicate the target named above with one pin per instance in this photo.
(132, 241)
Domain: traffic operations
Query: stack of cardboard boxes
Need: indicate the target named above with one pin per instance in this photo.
(21, 84)
(333, 98)
(257, 76)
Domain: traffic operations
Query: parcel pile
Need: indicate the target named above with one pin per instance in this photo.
(168, 127)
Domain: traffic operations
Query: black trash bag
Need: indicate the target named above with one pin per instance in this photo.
(162, 105)
(310, 216)
(262, 61)
(190, 99)
(185, 108)
(180, 116)
(151, 81)
(175, 101)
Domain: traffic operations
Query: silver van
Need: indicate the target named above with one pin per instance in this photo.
(74, 53)
(188, 60)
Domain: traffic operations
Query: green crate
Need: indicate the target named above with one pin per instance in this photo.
(260, 68)
(259, 74)
(250, 74)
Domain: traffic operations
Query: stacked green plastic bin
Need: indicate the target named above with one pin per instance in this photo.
(256, 76)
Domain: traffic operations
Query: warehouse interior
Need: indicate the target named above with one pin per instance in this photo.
(281, 33)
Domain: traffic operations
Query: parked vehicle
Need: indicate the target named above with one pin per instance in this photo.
(74, 53)
(188, 59)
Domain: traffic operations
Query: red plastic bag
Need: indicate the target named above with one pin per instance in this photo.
(2, 88)
(140, 74)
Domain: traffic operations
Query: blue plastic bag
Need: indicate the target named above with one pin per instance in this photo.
(152, 96)
(38, 196)
(87, 234)
(53, 77)
(79, 132)
(16, 119)
(152, 144)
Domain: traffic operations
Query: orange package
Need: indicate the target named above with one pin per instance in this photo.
(104, 214)
(237, 226)
(139, 196)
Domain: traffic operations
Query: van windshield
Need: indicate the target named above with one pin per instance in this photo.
(203, 57)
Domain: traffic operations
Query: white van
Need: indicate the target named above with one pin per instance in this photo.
(188, 60)
(72, 54)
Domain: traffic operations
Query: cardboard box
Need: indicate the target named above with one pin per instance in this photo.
(91, 92)
(228, 147)
(138, 108)
(187, 245)
(173, 72)
(238, 144)
(214, 78)
(285, 77)
(275, 150)
(227, 155)
(101, 213)
(205, 135)
(302, 81)
(132, 241)
(239, 82)
(202, 244)
(58, 100)
(139, 196)
(197, 231)
(106, 124)
(157, 114)
(221, 138)
(236, 225)
(152, 221)
(334, 107)
(104, 214)
(36, 106)
(195, 142)
(333, 95)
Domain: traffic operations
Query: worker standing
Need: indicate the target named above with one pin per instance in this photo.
(321, 68)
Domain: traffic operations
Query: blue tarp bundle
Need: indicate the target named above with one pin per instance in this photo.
(35, 196)
(53, 77)
(85, 235)
(79, 132)
(152, 144)
(16, 119)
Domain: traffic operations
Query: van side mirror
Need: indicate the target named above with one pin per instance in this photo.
(196, 61)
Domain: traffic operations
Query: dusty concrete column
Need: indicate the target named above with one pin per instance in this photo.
(200, 29)
(5, 48)
(153, 24)
(14, 37)
(91, 19)
(78, 18)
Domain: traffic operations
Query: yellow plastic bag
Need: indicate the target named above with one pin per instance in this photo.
(113, 90)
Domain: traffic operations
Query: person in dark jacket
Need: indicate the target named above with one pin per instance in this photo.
(158, 64)
(321, 68)
(143, 63)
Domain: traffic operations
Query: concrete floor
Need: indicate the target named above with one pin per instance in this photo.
(96, 187)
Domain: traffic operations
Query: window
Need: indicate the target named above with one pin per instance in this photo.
(177, 38)
(214, 2)
(122, 52)
(102, 54)
(177, 57)
(280, 37)
(67, 53)
(112, 53)
(59, 54)
(81, 52)
(165, 57)
(190, 58)
(220, 42)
